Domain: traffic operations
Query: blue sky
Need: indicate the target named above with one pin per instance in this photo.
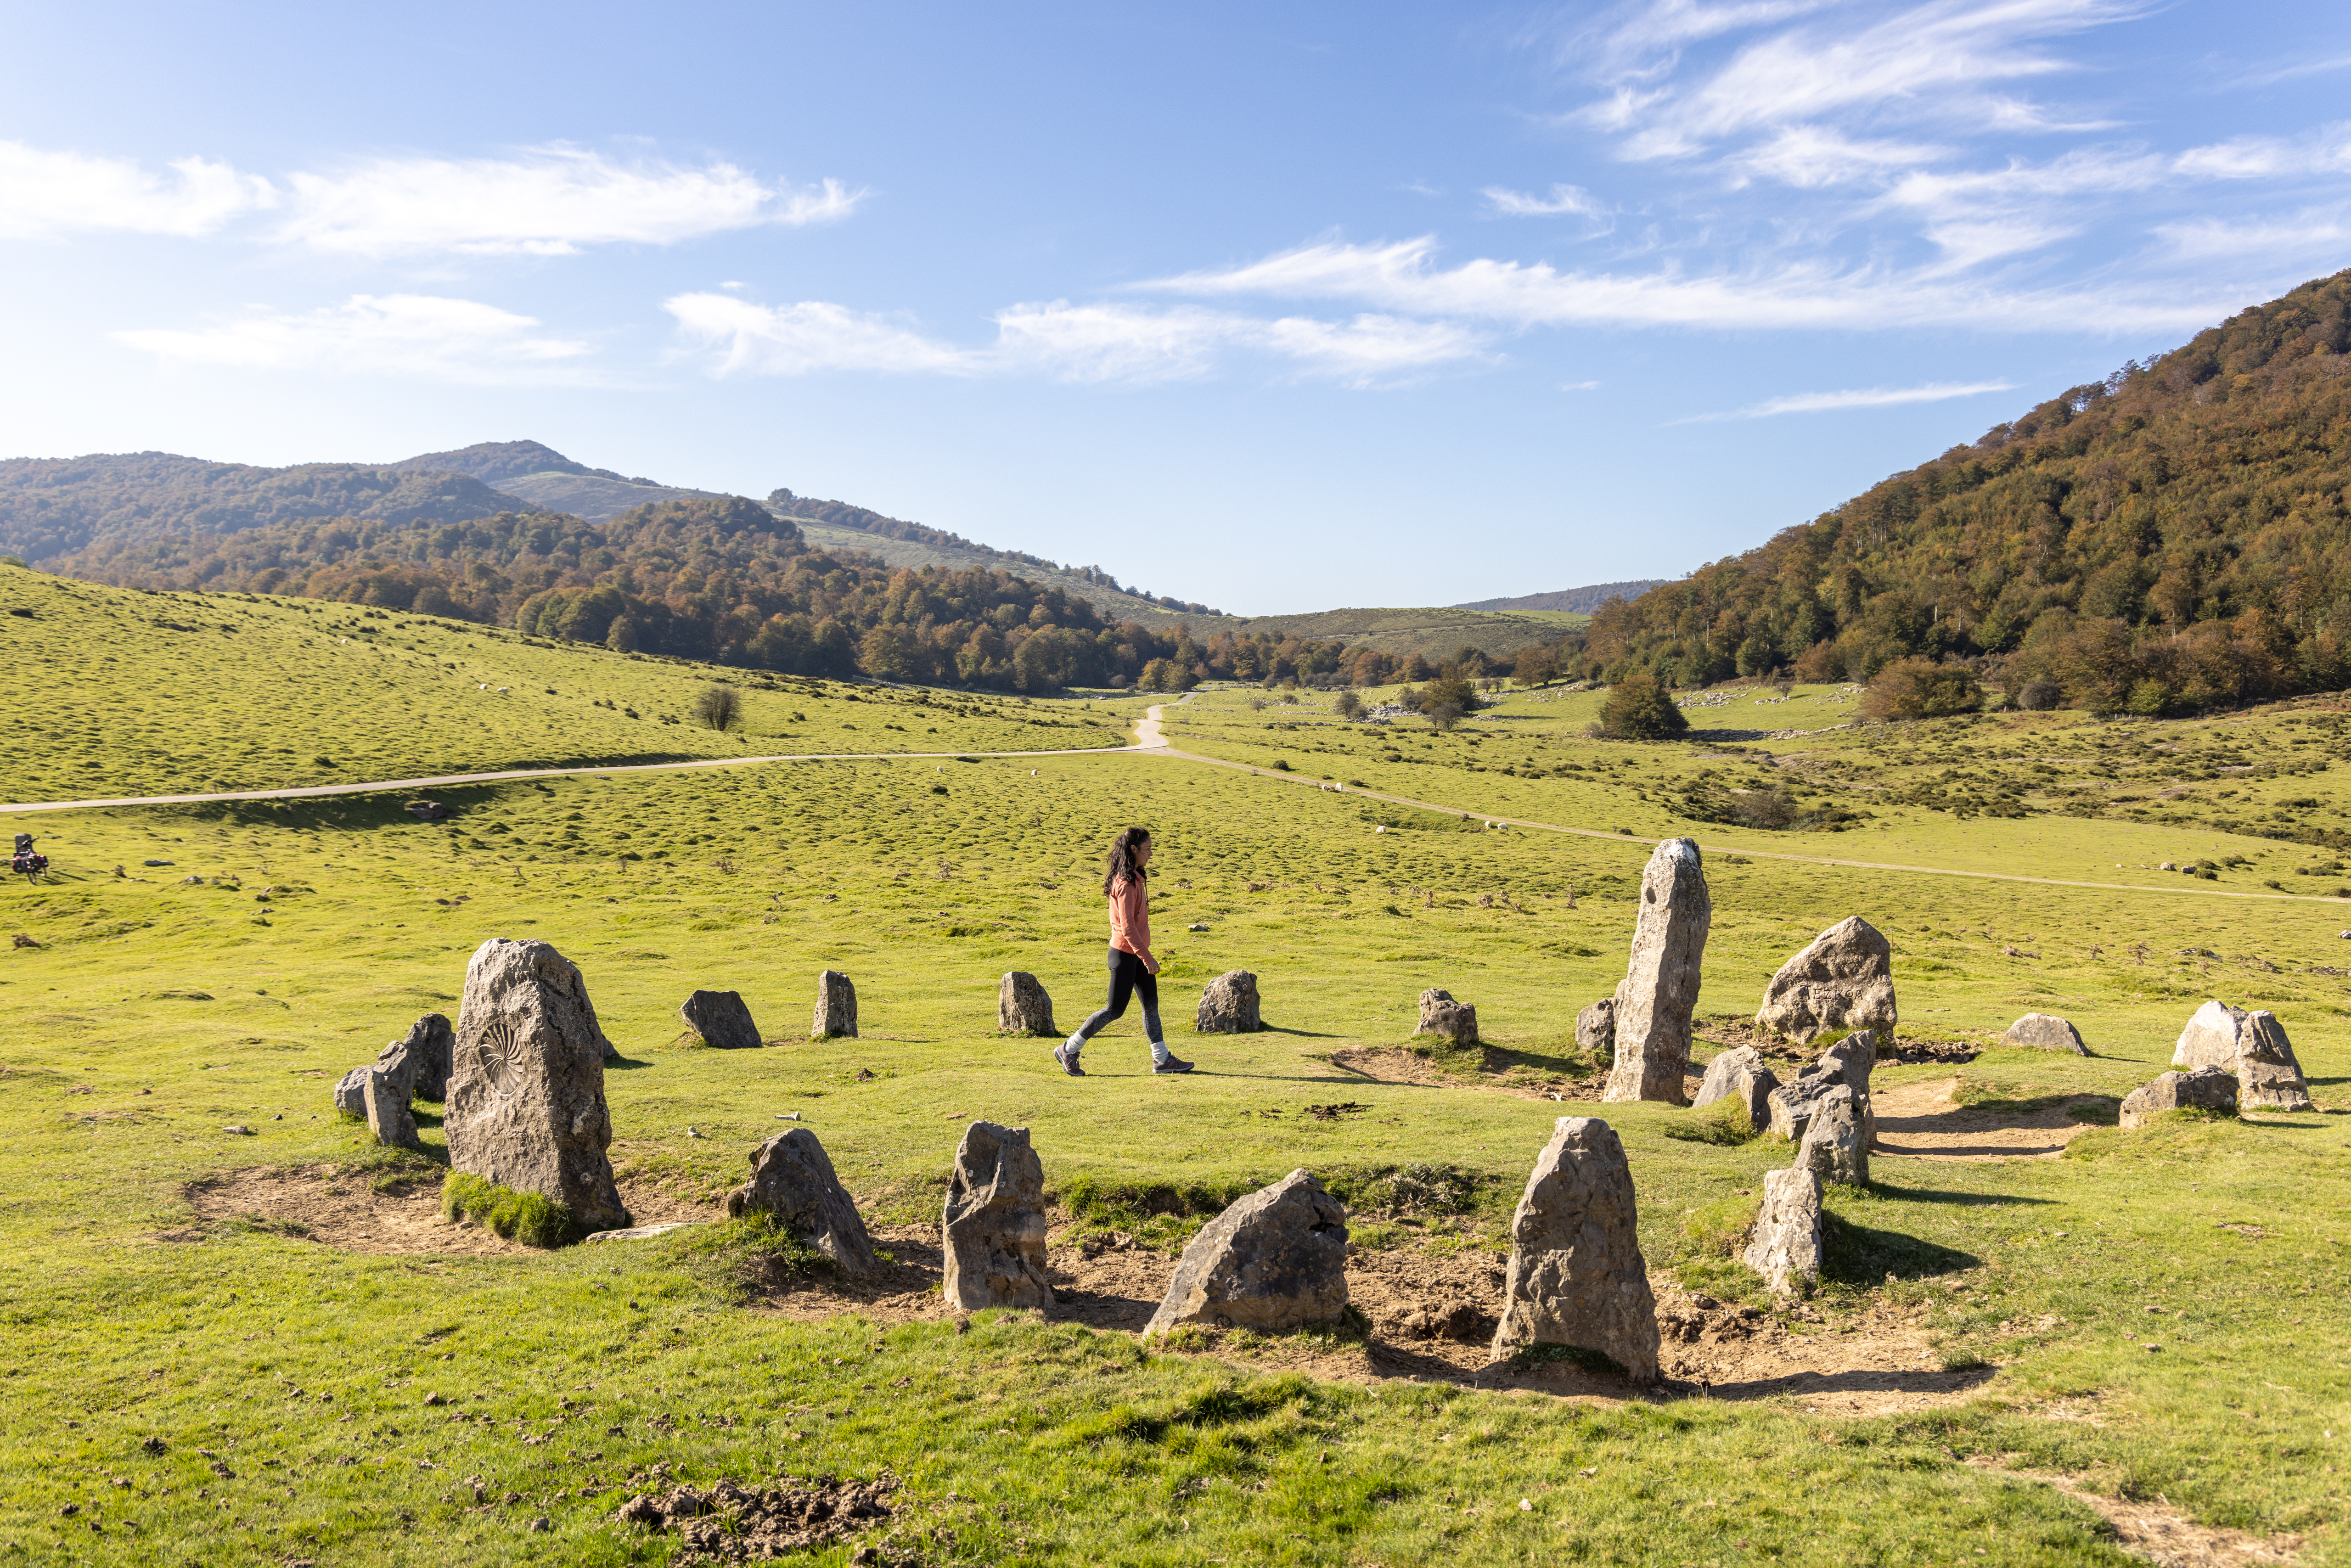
(1277, 308)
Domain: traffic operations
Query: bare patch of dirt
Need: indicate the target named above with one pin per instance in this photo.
(338, 1208)
(1433, 1315)
(1921, 1121)
(1725, 1031)
(1400, 1064)
(2161, 1533)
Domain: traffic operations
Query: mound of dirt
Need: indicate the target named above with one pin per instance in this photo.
(341, 1208)
(728, 1523)
(1922, 1120)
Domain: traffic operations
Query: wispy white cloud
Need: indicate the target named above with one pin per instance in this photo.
(1857, 397)
(1562, 199)
(1402, 277)
(47, 194)
(1810, 157)
(420, 335)
(1062, 341)
(2320, 235)
(1938, 61)
(548, 201)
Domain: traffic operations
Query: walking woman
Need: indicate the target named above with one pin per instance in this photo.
(1133, 970)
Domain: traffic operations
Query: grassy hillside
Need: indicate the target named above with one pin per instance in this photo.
(327, 1372)
(1579, 600)
(1433, 634)
(177, 693)
(2173, 538)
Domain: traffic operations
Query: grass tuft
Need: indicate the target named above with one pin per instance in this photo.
(532, 1219)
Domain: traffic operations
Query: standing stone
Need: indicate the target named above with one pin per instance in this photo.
(1785, 1246)
(792, 1179)
(2210, 1087)
(1843, 979)
(1229, 1005)
(387, 1110)
(1836, 1142)
(1739, 1074)
(526, 1087)
(1022, 1007)
(1274, 1261)
(1441, 1015)
(1659, 991)
(995, 1225)
(721, 1020)
(418, 1065)
(836, 1007)
(2044, 1032)
(1848, 1062)
(2254, 1046)
(1595, 1027)
(1576, 1274)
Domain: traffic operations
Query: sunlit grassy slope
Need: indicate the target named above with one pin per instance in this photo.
(118, 691)
(153, 1011)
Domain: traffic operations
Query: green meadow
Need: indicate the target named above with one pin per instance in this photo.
(2157, 1316)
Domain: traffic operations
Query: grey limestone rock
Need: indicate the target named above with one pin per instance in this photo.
(417, 1063)
(351, 1094)
(526, 1088)
(2044, 1032)
(1275, 1260)
(1843, 979)
(791, 1178)
(387, 1110)
(1740, 1074)
(721, 1020)
(1849, 1062)
(836, 1007)
(2210, 1087)
(995, 1223)
(1022, 1005)
(1577, 1275)
(1836, 1143)
(1441, 1015)
(1229, 1005)
(1659, 991)
(2254, 1046)
(1595, 1026)
(1785, 1245)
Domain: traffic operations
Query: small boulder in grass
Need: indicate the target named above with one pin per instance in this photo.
(2254, 1046)
(792, 1179)
(1738, 1075)
(1595, 1027)
(2044, 1032)
(2211, 1088)
(1023, 1006)
(721, 1020)
(836, 1007)
(1446, 1018)
(1273, 1261)
(1229, 1005)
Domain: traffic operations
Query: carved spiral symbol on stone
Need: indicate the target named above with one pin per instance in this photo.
(499, 1053)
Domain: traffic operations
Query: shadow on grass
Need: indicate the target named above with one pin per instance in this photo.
(1862, 1256)
(1940, 1195)
(625, 1063)
(388, 807)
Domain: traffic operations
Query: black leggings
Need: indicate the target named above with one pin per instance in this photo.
(1127, 978)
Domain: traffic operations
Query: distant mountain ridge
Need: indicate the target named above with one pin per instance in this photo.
(53, 506)
(1576, 601)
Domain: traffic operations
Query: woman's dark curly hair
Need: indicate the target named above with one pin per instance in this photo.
(1123, 867)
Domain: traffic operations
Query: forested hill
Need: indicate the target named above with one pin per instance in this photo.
(716, 578)
(2176, 537)
(50, 506)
